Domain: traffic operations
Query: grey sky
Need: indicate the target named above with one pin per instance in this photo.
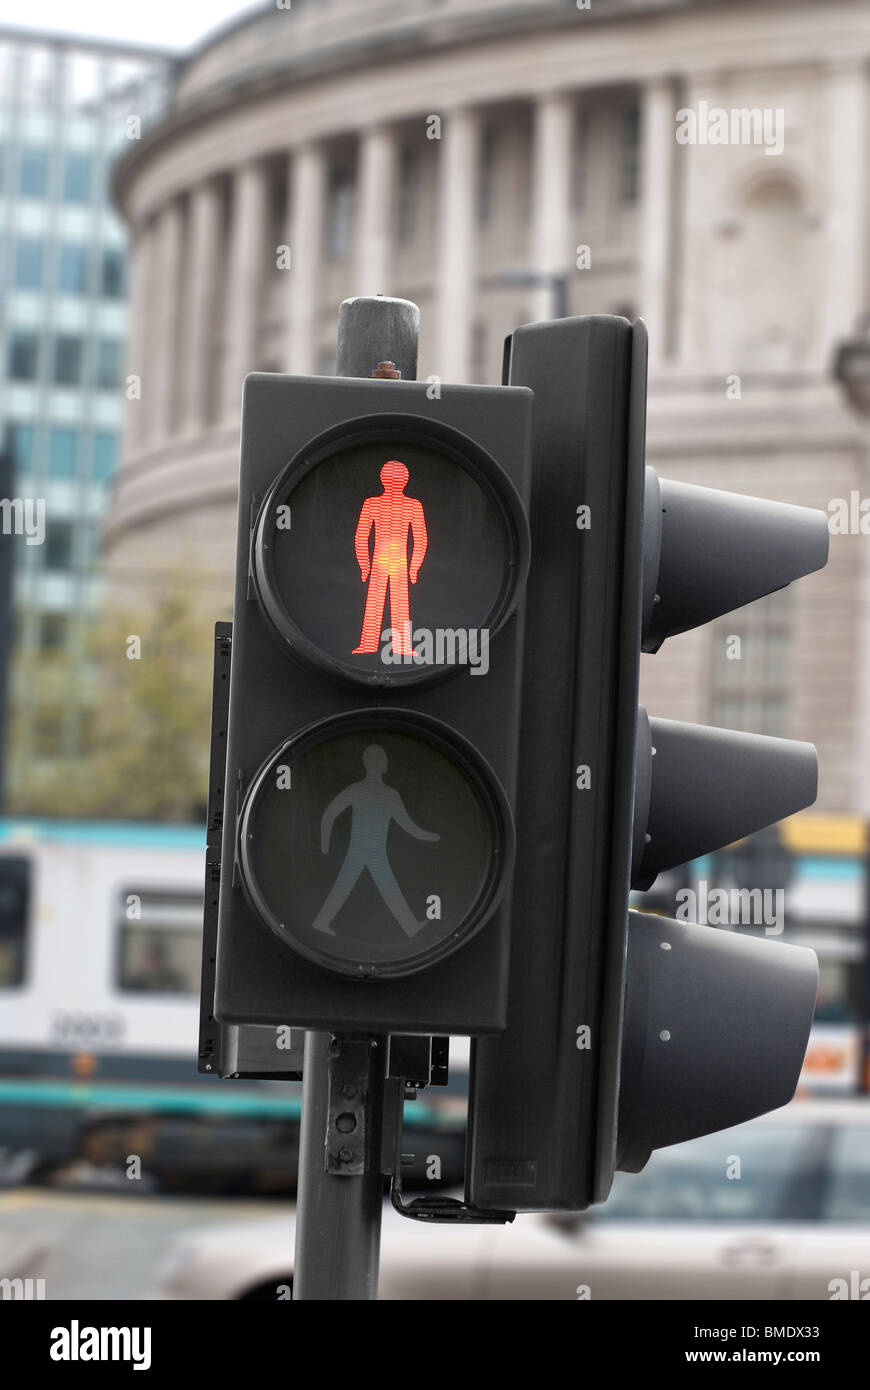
(176, 24)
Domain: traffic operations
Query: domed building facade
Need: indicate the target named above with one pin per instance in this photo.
(702, 165)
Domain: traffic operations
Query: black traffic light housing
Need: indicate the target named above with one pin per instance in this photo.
(626, 1032)
(344, 485)
(535, 1091)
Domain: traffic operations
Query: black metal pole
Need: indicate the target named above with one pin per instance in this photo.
(338, 1212)
(340, 1188)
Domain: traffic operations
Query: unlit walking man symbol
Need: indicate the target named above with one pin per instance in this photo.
(373, 806)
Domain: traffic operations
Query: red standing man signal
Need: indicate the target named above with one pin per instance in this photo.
(392, 515)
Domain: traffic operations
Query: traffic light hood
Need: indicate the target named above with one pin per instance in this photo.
(698, 789)
(707, 552)
(715, 1030)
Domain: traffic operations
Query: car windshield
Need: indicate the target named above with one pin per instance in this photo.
(742, 1174)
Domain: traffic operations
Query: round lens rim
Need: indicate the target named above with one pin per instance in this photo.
(490, 793)
(392, 428)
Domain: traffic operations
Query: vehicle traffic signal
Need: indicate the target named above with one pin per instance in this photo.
(368, 835)
(627, 1031)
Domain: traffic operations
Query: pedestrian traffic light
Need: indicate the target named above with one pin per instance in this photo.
(626, 1031)
(383, 546)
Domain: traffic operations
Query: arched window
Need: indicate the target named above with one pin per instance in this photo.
(766, 303)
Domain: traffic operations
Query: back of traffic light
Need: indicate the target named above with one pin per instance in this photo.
(628, 1032)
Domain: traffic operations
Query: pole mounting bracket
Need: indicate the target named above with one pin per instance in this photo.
(349, 1138)
(435, 1208)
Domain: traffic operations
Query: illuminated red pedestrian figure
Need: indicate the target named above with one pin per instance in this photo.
(392, 515)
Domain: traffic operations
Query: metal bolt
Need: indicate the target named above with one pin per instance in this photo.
(387, 371)
(345, 1155)
(348, 1090)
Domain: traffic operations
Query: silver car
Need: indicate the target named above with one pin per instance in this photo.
(775, 1209)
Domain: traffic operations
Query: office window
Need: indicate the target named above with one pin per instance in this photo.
(105, 456)
(23, 355)
(28, 265)
(39, 75)
(33, 173)
(20, 441)
(630, 153)
(72, 272)
(339, 209)
(62, 446)
(77, 178)
(750, 688)
(408, 193)
(82, 85)
(486, 175)
(108, 372)
(112, 279)
(68, 352)
(57, 547)
(90, 545)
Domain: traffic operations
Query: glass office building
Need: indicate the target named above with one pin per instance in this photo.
(67, 109)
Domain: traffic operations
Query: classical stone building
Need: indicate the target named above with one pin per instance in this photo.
(433, 150)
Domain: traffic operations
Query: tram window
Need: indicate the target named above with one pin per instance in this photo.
(160, 941)
(848, 1195)
(14, 915)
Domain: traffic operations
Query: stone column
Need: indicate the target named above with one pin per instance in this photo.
(376, 193)
(159, 378)
(691, 290)
(846, 162)
(307, 189)
(248, 253)
(658, 137)
(458, 185)
(200, 295)
(552, 240)
(136, 355)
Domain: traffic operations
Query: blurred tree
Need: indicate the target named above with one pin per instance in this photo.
(141, 700)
